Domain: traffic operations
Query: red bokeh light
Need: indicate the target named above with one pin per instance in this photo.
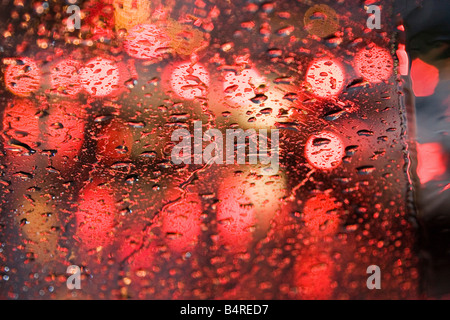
(22, 76)
(189, 80)
(326, 78)
(324, 150)
(374, 64)
(314, 270)
(320, 215)
(146, 41)
(65, 131)
(138, 253)
(65, 77)
(21, 123)
(403, 60)
(432, 161)
(425, 78)
(314, 275)
(143, 258)
(100, 77)
(236, 219)
(239, 88)
(181, 223)
(96, 216)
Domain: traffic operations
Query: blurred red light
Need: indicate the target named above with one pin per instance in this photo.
(100, 77)
(432, 161)
(23, 77)
(139, 254)
(374, 64)
(324, 150)
(189, 80)
(65, 131)
(425, 78)
(235, 218)
(21, 123)
(403, 58)
(65, 77)
(146, 41)
(181, 223)
(326, 78)
(239, 88)
(320, 215)
(313, 275)
(96, 216)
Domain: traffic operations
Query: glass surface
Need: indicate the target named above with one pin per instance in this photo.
(90, 178)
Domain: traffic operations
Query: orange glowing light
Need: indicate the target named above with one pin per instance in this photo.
(374, 64)
(22, 77)
(65, 77)
(100, 77)
(190, 81)
(146, 41)
(324, 150)
(326, 78)
(128, 13)
(181, 223)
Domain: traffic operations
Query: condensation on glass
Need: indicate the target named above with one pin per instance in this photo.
(87, 178)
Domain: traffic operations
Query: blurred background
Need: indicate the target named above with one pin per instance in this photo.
(86, 171)
(428, 34)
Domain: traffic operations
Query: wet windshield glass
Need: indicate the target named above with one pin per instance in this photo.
(180, 149)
